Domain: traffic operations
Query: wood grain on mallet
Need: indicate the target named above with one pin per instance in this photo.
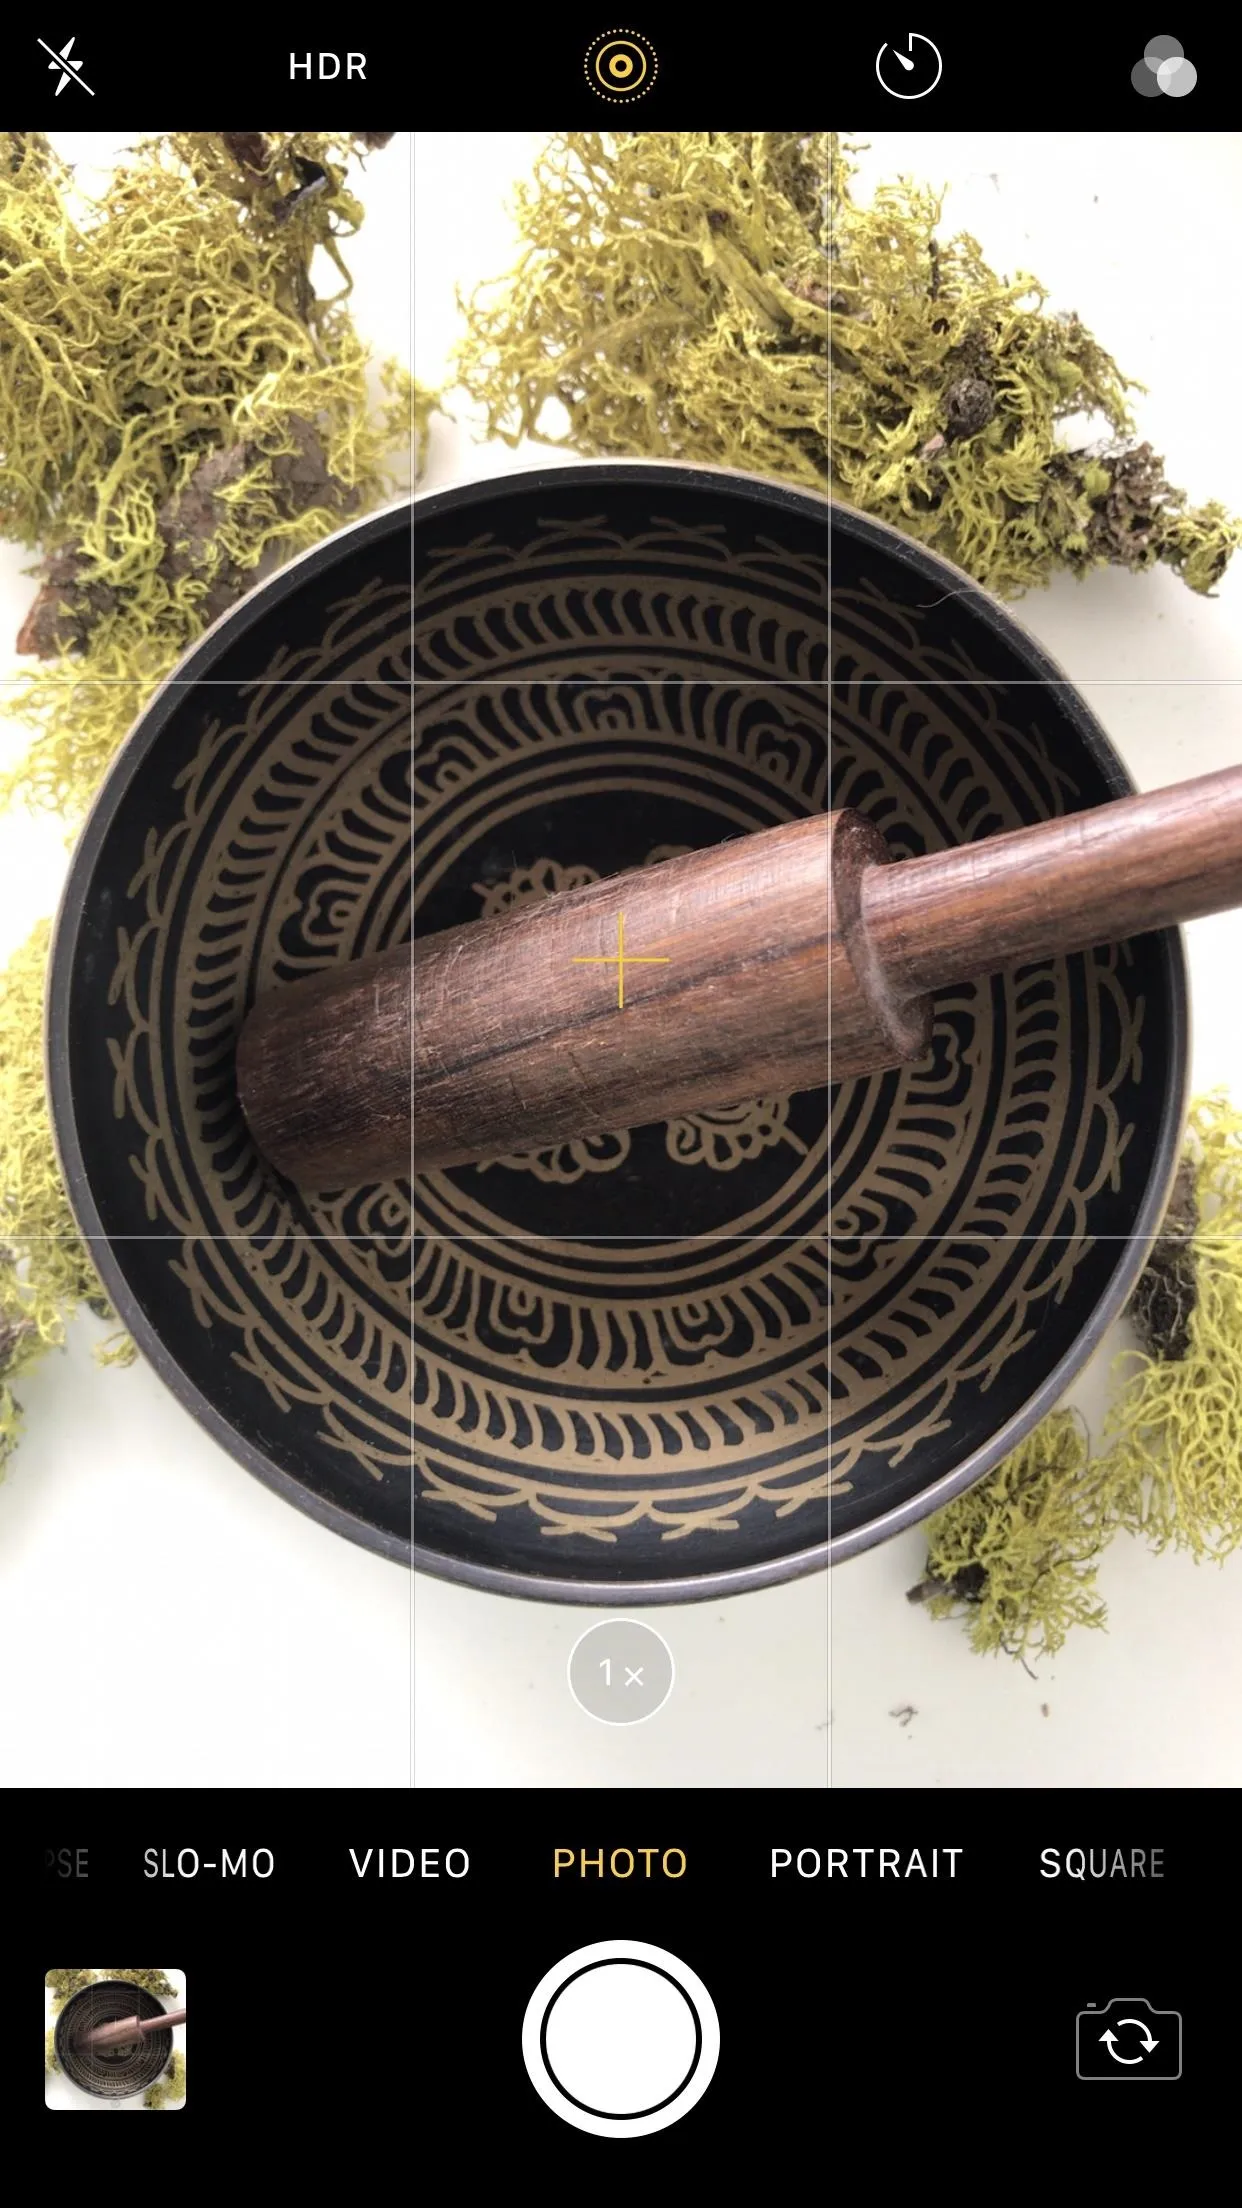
(770, 964)
(129, 2028)
(1121, 869)
(518, 1044)
(500, 1036)
(323, 1073)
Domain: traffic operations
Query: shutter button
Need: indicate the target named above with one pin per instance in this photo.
(620, 2039)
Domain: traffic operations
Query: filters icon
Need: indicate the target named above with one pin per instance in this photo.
(1164, 68)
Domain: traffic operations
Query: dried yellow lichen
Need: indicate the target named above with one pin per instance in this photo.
(950, 385)
(1019, 1550)
(1016, 1556)
(168, 2091)
(49, 2049)
(669, 297)
(1175, 1460)
(423, 404)
(722, 296)
(180, 410)
(65, 1982)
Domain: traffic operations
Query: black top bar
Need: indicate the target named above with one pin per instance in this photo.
(571, 69)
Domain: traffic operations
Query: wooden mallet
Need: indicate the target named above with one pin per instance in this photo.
(777, 962)
(129, 2028)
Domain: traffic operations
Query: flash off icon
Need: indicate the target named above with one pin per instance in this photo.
(70, 67)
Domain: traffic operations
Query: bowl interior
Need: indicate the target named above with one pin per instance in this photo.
(989, 1204)
(616, 1353)
(111, 2073)
(620, 1346)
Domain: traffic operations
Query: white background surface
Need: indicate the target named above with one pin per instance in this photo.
(293, 1663)
(60, 2092)
(287, 1649)
(1127, 230)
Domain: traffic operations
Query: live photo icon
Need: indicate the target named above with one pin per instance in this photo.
(1127, 2038)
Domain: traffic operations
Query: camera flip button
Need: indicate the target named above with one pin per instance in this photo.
(1128, 2038)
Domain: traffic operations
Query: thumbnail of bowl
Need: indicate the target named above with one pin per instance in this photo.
(111, 2073)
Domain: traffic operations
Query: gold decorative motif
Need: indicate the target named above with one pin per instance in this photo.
(677, 1383)
(289, 847)
(529, 885)
(576, 1372)
(728, 1137)
(568, 1161)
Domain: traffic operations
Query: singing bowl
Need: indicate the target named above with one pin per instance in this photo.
(672, 1361)
(991, 1205)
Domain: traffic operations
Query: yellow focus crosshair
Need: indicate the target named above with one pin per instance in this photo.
(621, 958)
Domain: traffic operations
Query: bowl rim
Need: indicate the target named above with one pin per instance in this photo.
(765, 490)
(933, 568)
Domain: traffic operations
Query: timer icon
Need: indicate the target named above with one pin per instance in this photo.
(909, 68)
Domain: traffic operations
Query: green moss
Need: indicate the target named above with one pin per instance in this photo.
(180, 410)
(723, 296)
(66, 1982)
(669, 297)
(168, 2091)
(1016, 1556)
(949, 388)
(49, 2049)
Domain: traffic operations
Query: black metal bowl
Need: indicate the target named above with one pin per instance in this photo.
(111, 2073)
(602, 1374)
(992, 1205)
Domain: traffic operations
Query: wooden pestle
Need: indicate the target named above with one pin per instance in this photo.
(900, 931)
(128, 2028)
(506, 1043)
(776, 962)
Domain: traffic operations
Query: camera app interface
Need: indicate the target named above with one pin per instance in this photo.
(620, 881)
